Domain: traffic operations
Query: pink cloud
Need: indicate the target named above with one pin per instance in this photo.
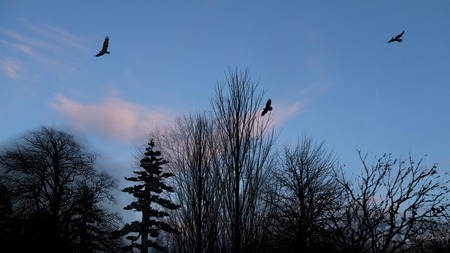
(112, 116)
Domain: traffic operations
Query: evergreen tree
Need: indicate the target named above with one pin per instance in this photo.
(149, 202)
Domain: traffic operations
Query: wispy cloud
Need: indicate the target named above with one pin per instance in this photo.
(11, 68)
(112, 116)
(46, 45)
(295, 101)
(56, 34)
(15, 38)
(315, 89)
(284, 112)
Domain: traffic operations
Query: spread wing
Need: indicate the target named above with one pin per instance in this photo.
(104, 48)
(400, 35)
(105, 44)
(267, 108)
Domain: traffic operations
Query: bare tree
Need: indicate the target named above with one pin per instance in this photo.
(191, 147)
(245, 143)
(306, 195)
(57, 193)
(392, 204)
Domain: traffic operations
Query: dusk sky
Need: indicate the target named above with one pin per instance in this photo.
(326, 65)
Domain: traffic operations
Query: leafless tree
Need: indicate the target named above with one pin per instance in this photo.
(192, 150)
(307, 193)
(245, 146)
(392, 204)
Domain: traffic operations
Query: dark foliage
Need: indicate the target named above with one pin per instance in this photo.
(51, 198)
(150, 202)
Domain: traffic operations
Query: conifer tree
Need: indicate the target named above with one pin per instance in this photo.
(150, 202)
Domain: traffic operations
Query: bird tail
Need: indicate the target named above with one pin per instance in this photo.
(399, 40)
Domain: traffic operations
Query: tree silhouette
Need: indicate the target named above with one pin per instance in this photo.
(391, 205)
(245, 143)
(306, 194)
(191, 145)
(150, 202)
(57, 195)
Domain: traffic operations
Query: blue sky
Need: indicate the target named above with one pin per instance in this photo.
(326, 65)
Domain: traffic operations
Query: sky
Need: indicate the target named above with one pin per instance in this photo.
(326, 65)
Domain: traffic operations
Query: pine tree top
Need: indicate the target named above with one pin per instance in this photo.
(148, 200)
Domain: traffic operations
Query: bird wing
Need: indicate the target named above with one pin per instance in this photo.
(105, 44)
(400, 35)
(264, 112)
(267, 108)
(100, 53)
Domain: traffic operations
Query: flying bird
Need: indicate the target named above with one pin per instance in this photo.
(267, 108)
(104, 48)
(396, 38)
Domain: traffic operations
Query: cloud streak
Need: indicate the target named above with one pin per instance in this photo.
(112, 117)
(289, 105)
(57, 35)
(284, 112)
(45, 45)
(11, 68)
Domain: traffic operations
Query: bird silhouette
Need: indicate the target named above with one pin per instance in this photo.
(267, 108)
(104, 48)
(396, 38)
